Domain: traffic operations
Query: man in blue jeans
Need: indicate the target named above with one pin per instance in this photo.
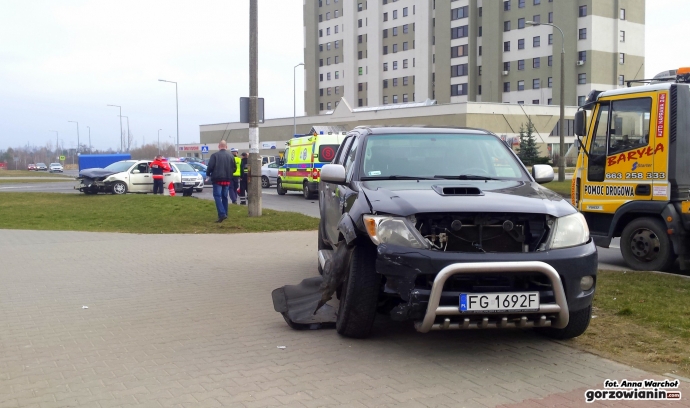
(221, 168)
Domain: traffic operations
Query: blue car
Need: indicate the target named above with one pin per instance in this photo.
(191, 178)
(201, 168)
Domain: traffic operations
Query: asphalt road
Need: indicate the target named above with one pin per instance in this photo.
(609, 258)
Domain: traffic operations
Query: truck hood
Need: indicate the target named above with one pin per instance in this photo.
(96, 173)
(404, 198)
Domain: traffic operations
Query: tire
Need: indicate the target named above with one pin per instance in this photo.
(119, 188)
(199, 190)
(359, 295)
(645, 245)
(578, 323)
(320, 245)
(305, 191)
(280, 189)
(265, 182)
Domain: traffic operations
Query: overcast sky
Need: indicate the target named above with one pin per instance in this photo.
(66, 60)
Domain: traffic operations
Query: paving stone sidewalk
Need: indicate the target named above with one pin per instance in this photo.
(188, 321)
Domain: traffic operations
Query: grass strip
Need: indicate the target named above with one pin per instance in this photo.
(642, 319)
(26, 173)
(134, 213)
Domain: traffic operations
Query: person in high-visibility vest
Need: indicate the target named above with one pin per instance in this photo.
(243, 179)
(235, 177)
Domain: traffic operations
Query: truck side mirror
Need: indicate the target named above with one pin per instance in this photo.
(581, 123)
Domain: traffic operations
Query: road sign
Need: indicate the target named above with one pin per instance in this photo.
(62, 158)
(204, 149)
(244, 110)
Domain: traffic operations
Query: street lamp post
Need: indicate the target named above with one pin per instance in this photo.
(177, 110)
(159, 141)
(121, 144)
(72, 121)
(294, 98)
(561, 158)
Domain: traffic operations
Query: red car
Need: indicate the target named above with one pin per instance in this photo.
(31, 167)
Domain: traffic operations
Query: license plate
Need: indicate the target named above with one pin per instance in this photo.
(499, 302)
(189, 183)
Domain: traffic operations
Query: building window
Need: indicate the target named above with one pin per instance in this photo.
(395, 48)
(405, 11)
(535, 101)
(536, 42)
(328, 46)
(320, 33)
(583, 11)
(385, 16)
(582, 34)
(521, 102)
(320, 47)
(479, 90)
(395, 31)
(621, 58)
(521, 85)
(321, 106)
(385, 33)
(480, 51)
(459, 51)
(395, 14)
(395, 65)
(506, 25)
(550, 63)
(361, 71)
(479, 31)
(506, 87)
(479, 70)
(320, 77)
(405, 99)
(337, 90)
(385, 66)
(537, 2)
(622, 14)
(536, 18)
(328, 31)
(550, 39)
(506, 5)
(328, 16)
(582, 56)
(406, 81)
(385, 100)
(521, 23)
(459, 70)
(536, 83)
(329, 106)
(395, 81)
(521, 3)
(581, 79)
(405, 63)
(359, 7)
(459, 32)
(406, 28)
(385, 83)
(359, 102)
(549, 101)
(506, 66)
(406, 46)
(335, 14)
(337, 44)
(521, 44)
(458, 13)
(328, 61)
(550, 17)
(536, 62)
(458, 90)
(385, 50)
(580, 100)
(622, 36)
(359, 23)
(621, 80)
(321, 92)
(360, 86)
(320, 62)
(320, 18)
(360, 38)
(395, 98)
(549, 82)
(521, 65)
(506, 46)
(328, 91)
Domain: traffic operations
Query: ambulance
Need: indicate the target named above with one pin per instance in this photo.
(303, 158)
(632, 178)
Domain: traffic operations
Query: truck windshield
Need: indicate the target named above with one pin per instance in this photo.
(119, 167)
(471, 157)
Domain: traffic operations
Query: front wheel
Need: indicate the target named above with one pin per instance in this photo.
(645, 245)
(265, 183)
(119, 188)
(359, 295)
(280, 189)
(577, 324)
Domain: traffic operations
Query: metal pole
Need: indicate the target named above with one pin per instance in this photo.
(159, 141)
(561, 159)
(294, 98)
(254, 177)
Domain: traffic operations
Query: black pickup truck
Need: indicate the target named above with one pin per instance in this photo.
(448, 229)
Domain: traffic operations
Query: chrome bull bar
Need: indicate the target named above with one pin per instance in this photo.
(433, 309)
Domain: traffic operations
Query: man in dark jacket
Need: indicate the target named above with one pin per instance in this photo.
(221, 168)
(158, 167)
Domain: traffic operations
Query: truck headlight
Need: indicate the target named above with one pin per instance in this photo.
(570, 231)
(393, 230)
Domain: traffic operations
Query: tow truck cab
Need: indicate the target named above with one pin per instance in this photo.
(632, 176)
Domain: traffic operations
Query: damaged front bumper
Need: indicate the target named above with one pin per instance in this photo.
(426, 285)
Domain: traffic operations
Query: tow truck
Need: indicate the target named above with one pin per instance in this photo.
(632, 178)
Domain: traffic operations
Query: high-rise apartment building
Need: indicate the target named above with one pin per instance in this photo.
(380, 52)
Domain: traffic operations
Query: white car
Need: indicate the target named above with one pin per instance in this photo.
(55, 168)
(134, 176)
(269, 174)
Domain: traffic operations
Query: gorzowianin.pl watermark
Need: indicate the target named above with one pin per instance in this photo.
(645, 390)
